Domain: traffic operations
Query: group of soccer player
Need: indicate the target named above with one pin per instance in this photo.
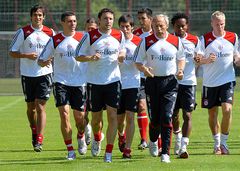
(124, 71)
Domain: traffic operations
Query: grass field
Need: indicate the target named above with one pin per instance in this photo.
(16, 152)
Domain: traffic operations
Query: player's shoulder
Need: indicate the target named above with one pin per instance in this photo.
(172, 39)
(136, 40)
(138, 31)
(192, 38)
(230, 36)
(78, 35)
(48, 31)
(150, 40)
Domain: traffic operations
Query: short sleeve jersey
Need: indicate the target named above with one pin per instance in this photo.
(67, 70)
(140, 33)
(191, 45)
(161, 54)
(130, 76)
(221, 71)
(106, 69)
(30, 40)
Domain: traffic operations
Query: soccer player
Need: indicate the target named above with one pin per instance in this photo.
(130, 79)
(164, 56)
(187, 86)
(145, 20)
(90, 25)
(27, 45)
(220, 49)
(103, 48)
(69, 81)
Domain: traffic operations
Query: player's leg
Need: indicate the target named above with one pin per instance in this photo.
(77, 102)
(142, 116)
(112, 99)
(176, 126)
(210, 100)
(42, 94)
(131, 107)
(227, 92)
(28, 91)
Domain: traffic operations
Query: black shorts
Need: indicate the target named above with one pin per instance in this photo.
(186, 97)
(142, 94)
(101, 95)
(36, 87)
(215, 96)
(161, 95)
(129, 100)
(70, 95)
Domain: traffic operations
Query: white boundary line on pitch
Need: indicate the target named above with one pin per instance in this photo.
(11, 104)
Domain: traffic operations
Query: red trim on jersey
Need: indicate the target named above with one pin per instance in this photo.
(230, 36)
(173, 40)
(138, 31)
(136, 40)
(27, 30)
(192, 39)
(150, 40)
(78, 36)
(208, 38)
(116, 34)
(57, 39)
(48, 31)
(94, 35)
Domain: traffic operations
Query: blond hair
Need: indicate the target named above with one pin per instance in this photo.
(218, 15)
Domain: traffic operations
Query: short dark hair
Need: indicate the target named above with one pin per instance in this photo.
(66, 14)
(126, 18)
(35, 8)
(178, 16)
(147, 11)
(91, 20)
(105, 10)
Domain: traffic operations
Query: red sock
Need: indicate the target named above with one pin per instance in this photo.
(40, 138)
(80, 135)
(127, 151)
(122, 136)
(109, 148)
(143, 124)
(69, 145)
(98, 136)
(34, 129)
(159, 142)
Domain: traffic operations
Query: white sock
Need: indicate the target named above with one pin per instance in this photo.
(184, 142)
(216, 139)
(224, 138)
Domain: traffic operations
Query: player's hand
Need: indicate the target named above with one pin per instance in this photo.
(180, 74)
(237, 60)
(197, 58)
(95, 57)
(121, 56)
(148, 72)
(32, 56)
(46, 63)
(212, 58)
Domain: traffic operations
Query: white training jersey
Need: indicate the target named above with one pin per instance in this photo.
(161, 54)
(140, 33)
(106, 69)
(66, 69)
(29, 40)
(221, 71)
(191, 45)
(130, 75)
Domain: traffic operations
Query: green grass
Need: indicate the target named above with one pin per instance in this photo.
(16, 152)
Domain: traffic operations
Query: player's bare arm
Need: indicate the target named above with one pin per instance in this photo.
(31, 56)
(181, 65)
(197, 58)
(146, 70)
(83, 58)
